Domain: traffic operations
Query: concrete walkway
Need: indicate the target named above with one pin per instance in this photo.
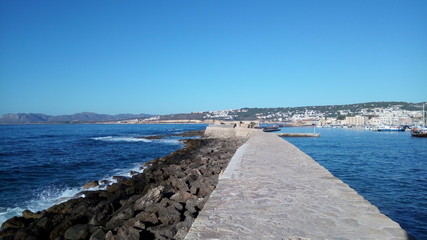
(272, 190)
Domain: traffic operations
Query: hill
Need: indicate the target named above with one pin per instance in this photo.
(85, 117)
(285, 112)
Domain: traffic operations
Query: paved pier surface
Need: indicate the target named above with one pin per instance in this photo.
(272, 190)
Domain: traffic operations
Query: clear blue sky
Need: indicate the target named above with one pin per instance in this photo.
(159, 57)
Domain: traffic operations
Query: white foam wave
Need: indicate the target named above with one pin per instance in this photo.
(168, 141)
(44, 200)
(121, 139)
(6, 213)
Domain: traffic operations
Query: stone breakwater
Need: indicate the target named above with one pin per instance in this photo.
(273, 190)
(160, 203)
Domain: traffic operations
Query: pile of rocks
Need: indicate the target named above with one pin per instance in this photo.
(160, 203)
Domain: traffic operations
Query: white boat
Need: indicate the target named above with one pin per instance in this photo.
(390, 129)
(420, 131)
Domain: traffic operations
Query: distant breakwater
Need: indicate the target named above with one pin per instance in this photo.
(160, 203)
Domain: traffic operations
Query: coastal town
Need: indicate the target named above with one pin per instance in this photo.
(355, 115)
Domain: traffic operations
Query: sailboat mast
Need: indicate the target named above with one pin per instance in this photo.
(424, 117)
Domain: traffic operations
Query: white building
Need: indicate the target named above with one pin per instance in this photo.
(356, 121)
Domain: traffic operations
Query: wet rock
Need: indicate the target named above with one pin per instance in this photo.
(27, 214)
(91, 184)
(120, 178)
(15, 222)
(105, 182)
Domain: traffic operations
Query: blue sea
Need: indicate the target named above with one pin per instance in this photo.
(42, 165)
(389, 169)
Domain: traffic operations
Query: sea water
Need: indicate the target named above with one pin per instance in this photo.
(389, 169)
(42, 165)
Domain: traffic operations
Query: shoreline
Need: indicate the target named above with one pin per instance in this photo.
(159, 203)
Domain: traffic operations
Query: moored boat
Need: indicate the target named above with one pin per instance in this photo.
(390, 129)
(271, 128)
(419, 132)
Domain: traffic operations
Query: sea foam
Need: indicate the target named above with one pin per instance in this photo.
(120, 139)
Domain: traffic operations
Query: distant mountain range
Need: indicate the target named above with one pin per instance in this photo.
(85, 117)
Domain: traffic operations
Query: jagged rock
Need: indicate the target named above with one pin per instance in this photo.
(45, 223)
(135, 223)
(77, 232)
(119, 218)
(102, 213)
(61, 227)
(127, 233)
(91, 184)
(15, 222)
(8, 234)
(109, 235)
(27, 235)
(27, 214)
(162, 232)
(120, 178)
(152, 196)
(98, 235)
(153, 208)
(123, 213)
(182, 196)
(167, 202)
(130, 201)
(178, 184)
(202, 187)
(192, 176)
(147, 217)
(105, 182)
(169, 215)
(183, 228)
(195, 205)
(160, 203)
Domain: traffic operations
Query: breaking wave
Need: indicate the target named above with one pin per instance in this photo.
(121, 139)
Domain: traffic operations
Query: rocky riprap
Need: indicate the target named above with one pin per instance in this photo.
(160, 203)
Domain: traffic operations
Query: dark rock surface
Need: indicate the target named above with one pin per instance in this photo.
(160, 203)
